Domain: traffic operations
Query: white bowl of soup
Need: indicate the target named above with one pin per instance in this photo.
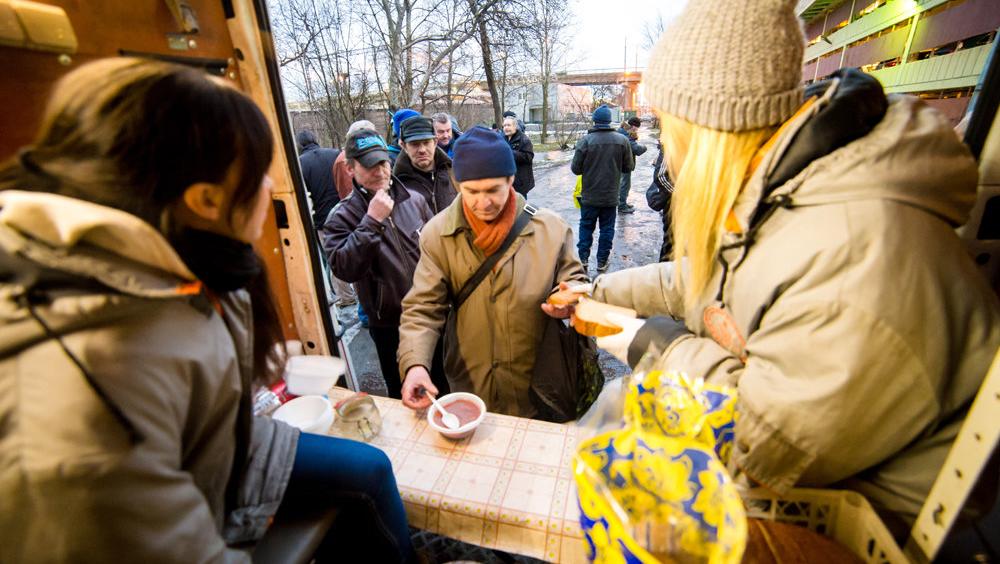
(469, 409)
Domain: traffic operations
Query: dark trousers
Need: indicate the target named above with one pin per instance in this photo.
(667, 247)
(357, 479)
(590, 217)
(623, 189)
(386, 344)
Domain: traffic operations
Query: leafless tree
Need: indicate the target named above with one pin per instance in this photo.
(412, 39)
(322, 62)
(549, 24)
(652, 30)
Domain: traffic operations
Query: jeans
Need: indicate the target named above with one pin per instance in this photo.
(623, 189)
(590, 216)
(386, 341)
(356, 478)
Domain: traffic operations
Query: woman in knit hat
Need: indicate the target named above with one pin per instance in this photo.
(491, 345)
(816, 265)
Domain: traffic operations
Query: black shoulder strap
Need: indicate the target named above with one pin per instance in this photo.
(477, 277)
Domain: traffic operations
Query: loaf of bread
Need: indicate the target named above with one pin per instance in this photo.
(590, 318)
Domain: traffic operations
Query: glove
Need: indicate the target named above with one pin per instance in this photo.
(618, 343)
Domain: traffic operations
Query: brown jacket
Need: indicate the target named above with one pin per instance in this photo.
(854, 323)
(499, 326)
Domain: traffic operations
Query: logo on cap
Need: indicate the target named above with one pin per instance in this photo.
(366, 142)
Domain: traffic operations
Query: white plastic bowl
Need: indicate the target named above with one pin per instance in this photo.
(464, 430)
(311, 414)
(308, 375)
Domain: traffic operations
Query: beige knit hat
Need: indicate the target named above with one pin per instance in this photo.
(731, 65)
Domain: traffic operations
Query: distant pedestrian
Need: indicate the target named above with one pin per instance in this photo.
(317, 171)
(319, 168)
(510, 114)
(524, 156)
(601, 157)
(422, 165)
(630, 129)
(397, 118)
(445, 132)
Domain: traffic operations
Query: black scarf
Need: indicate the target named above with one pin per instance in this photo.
(221, 263)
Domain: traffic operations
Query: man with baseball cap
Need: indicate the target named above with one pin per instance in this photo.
(371, 239)
(422, 165)
(493, 336)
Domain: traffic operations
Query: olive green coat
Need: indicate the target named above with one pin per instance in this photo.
(499, 326)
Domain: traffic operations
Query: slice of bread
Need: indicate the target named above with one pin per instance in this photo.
(590, 318)
(564, 298)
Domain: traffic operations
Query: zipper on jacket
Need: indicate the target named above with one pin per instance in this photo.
(399, 244)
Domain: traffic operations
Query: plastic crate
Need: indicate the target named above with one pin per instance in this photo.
(843, 515)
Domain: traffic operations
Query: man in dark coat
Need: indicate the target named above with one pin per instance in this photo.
(422, 165)
(524, 155)
(601, 157)
(630, 129)
(317, 170)
(446, 132)
(372, 240)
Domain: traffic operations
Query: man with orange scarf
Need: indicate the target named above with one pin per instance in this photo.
(491, 343)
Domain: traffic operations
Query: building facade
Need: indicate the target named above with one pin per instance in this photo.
(935, 49)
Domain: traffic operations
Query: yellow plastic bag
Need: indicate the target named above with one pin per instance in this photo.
(577, 191)
(656, 491)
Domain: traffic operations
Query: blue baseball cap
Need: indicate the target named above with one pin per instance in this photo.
(367, 147)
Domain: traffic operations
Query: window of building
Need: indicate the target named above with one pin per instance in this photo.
(948, 48)
(869, 9)
(882, 64)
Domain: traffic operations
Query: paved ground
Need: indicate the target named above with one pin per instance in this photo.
(637, 242)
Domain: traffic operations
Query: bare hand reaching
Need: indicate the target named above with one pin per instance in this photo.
(417, 378)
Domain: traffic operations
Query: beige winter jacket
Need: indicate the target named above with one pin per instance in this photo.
(73, 486)
(854, 323)
(500, 324)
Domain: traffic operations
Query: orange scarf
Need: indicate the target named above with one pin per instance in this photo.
(490, 235)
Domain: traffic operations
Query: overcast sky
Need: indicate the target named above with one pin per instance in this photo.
(603, 27)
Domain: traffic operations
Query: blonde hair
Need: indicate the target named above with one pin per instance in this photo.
(709, 168)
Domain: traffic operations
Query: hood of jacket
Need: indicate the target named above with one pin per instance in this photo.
(854, 143)
(52, 241)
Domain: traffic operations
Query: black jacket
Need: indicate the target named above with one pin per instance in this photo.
(434, 186)
(524, 155)
(601, 157)
(317, 170)
(379, 258)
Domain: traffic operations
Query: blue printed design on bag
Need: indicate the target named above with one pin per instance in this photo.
(366, 142)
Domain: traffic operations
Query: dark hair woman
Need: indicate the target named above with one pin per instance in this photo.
(136, 319)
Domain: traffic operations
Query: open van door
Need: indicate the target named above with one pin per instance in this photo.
(42, 41)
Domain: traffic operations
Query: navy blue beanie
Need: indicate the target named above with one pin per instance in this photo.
(602, 115)
(482, 153)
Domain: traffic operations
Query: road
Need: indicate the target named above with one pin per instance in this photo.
(637, 242)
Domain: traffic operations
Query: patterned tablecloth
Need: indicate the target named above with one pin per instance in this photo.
(508, 486)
